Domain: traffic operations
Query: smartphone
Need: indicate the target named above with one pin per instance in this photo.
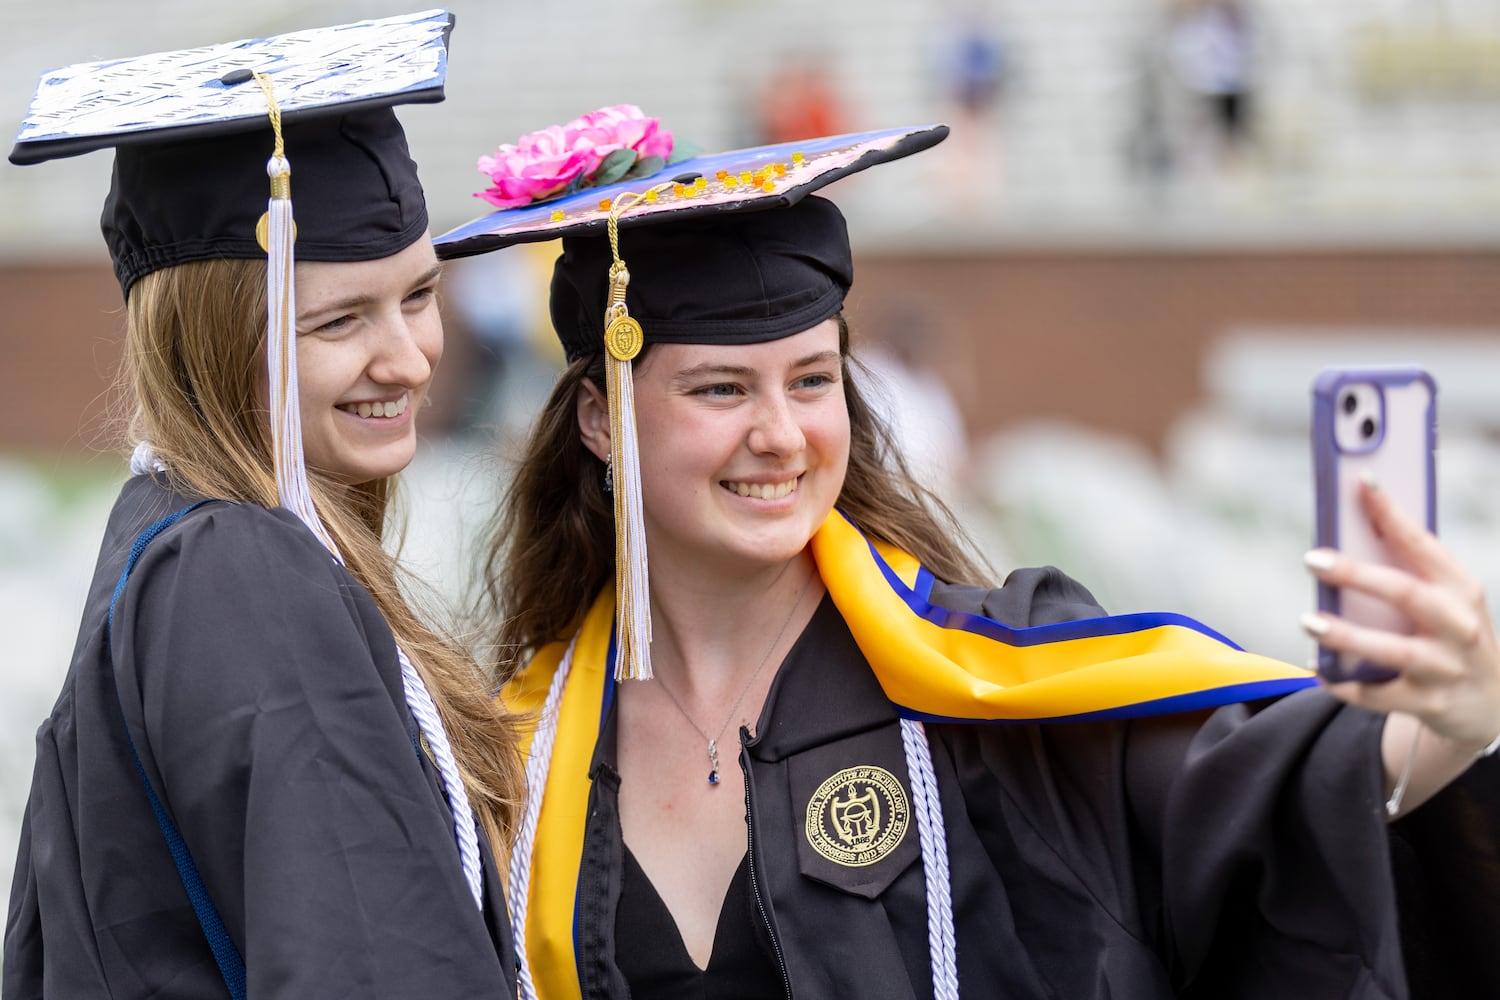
(1381, 422)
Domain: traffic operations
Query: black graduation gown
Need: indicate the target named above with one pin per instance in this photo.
(1237, 853)
(263, 693)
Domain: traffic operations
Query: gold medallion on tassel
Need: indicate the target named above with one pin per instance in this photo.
(263, 231)
(623, 338)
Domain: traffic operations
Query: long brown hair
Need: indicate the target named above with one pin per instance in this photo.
(551, 542)
(193, 363)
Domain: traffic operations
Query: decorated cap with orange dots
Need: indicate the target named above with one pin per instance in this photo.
(759, 177)
(721, 272)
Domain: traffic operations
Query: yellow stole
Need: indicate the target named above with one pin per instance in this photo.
(933, 664)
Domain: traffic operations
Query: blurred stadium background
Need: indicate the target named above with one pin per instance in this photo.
(1097, 309)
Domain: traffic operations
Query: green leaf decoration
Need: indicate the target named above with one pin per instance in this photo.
(683, 150)
(645, 167)
(614, 167)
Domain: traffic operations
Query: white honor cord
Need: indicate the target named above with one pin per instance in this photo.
(537, 764)
(933, 834)
(143, 460)
(425, 712)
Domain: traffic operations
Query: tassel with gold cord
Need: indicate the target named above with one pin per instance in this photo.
(623, 339)
(277, 233)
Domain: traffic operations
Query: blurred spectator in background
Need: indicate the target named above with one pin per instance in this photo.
(971, 67)
(500, 302)
(800, 100)
(1150, 145)
(914, 398)
(1212, 51)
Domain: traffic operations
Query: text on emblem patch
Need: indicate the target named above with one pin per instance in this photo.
(858, 816)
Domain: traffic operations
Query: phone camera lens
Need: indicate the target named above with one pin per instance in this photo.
(1351, 402)
(1367, 427)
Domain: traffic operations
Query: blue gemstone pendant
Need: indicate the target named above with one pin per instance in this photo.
(713, 759)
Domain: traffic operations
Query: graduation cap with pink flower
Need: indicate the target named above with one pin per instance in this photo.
(715, 262)
(569, 180)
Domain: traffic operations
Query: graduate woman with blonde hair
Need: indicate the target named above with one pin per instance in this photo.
(792, 743)
(265, 774)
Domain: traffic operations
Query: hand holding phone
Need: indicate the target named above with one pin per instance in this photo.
(1378, 423)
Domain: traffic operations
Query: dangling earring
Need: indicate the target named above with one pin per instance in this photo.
(609, 477)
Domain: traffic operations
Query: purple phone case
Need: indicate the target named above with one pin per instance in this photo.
(1402, 453)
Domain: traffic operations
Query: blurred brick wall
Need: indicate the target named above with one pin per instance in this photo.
(1114, 339)
(63, 328)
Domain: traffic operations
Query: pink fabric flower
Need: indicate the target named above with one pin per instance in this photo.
(543, 163)
(623, 126)
(537, 165)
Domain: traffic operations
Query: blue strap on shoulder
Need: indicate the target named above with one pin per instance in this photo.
(231, 965)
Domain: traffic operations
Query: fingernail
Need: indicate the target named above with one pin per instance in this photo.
(1314, 624)
(1319, 559)
(1367, 476)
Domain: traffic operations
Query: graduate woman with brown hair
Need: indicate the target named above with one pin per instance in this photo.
(807, 750)
(265, 775)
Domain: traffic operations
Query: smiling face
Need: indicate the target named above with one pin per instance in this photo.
(743, 448)
(368, 339)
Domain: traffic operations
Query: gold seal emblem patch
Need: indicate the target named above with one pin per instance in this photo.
(858, 816)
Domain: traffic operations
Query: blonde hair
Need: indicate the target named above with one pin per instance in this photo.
(191, 374)
(551, 542)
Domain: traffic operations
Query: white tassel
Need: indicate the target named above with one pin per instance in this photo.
(281, 355)
(632, 575)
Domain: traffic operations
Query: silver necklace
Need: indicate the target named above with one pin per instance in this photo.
(713, 741)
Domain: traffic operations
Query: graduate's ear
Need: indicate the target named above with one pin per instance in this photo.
(593, 420)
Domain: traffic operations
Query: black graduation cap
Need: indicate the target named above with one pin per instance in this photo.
(707, 222)
(192, 132)
(210, 144)
(731, 248)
